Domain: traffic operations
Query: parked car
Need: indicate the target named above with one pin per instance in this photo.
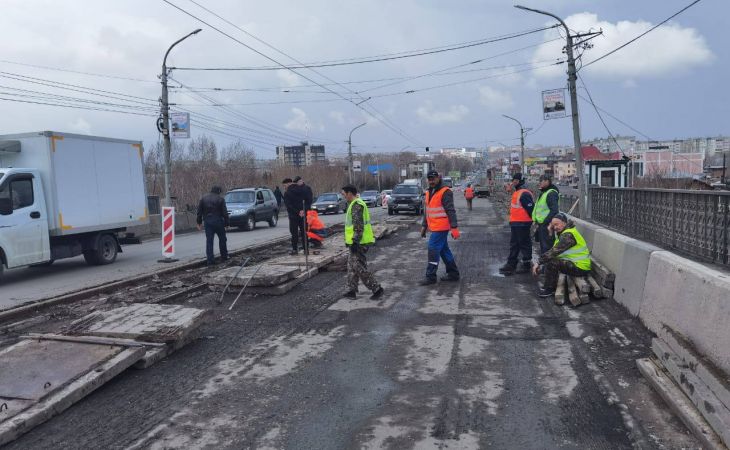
(330, 202)
(406, 197)
(246, 206)
(371, 198)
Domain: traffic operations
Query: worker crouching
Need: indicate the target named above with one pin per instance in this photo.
(316, 230)
(569, 255)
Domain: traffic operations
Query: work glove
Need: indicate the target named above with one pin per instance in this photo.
(354, 247)
(455, 233)
(423, 232)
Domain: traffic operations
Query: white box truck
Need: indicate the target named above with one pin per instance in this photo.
(64, 195)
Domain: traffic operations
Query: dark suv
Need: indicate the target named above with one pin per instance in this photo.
(406, 197)
(246, 206)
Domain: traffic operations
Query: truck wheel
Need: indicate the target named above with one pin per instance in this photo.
(105, 253)
(250, 223)
(274, 220)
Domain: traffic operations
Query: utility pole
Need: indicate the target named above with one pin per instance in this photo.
(164, 127)
(522, 144)
(349, 152)
(724, 167)
(572, 76)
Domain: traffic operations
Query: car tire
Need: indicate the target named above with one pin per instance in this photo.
(274, 219)
(250, 223)
(105, 252)
(390, 212)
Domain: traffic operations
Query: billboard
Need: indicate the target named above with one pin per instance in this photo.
(180, 125)
(384, 167)
(553, 104)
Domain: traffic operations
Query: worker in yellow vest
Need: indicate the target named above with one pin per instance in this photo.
(358, 238)
(546, 207)
(520, 222)
(570, 255)
(440, 219)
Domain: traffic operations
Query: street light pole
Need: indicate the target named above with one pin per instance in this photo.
(349, 152)
(572, 76)
(522, 144)
(165, 128)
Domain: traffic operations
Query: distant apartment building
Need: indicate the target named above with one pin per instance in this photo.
(300, 155)
(670, 164)
(460, 152)
(564, 170)
(625, 144)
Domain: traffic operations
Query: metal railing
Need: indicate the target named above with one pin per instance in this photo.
(696, 223)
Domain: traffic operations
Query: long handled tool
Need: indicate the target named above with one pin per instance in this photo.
(220, 300)
(306, 240)
(244, 287)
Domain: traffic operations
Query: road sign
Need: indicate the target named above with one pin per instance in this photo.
(553, 104)
(356, 166)
(168, 232)
(180, 125)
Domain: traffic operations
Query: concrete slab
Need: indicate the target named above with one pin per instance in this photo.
(284, 287)
(587, 230)
(142, 321)
(266, 275)
(300, 261)
(692, 300)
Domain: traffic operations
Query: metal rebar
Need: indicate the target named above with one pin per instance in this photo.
(220, 300)
(244, 287)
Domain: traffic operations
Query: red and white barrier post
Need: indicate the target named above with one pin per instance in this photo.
(168, 234)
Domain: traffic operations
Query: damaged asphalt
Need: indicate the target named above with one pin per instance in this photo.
(482, 363)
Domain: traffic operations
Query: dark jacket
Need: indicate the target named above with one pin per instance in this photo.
(297, 198)
(212, 206)
(447, 201)
(278, 195)
(527, 202)
(565, 242)
(553, 202)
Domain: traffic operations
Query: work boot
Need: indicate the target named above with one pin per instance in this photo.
(524, 267)
(507, 269)
(377, 293)
(449, 278)
(351, 294)
(427, 281)
(545, 293)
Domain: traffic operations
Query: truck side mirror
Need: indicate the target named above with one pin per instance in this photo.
(6, 206)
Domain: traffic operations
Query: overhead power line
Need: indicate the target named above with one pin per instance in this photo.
(76, 107)
(643, 34)
(77, 72)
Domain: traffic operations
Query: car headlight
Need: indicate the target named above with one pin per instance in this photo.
(330, 206)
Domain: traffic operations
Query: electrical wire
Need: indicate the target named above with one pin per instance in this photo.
(598, 113)
(115, 77)
(76, 107)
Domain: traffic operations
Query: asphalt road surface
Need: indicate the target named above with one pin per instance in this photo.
(31, 284)
(481, 363)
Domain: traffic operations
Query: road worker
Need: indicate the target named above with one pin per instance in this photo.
(439, 219)
(212, 212)
(520, 222)
(469, 195)
(359, 238)
(546, 207)
(316, 230)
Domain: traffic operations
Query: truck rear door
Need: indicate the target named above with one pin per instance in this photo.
(24, 233)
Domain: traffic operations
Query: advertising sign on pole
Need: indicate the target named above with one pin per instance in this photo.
(356, 166)
(553, 104)
(180, 125)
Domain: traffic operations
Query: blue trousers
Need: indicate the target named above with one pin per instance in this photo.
(214, 226)
(438, 248)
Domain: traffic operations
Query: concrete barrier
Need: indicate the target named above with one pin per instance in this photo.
(691, 299)
(587, 230)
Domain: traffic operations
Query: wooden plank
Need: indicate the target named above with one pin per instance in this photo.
(93, 340)
(605, 277)
(560, 291)
(58, 402)
(595, 288)
(582, 285)
(680, 404)
(714, 412)
(573, 297)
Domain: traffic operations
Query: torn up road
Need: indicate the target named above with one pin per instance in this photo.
(482, 363)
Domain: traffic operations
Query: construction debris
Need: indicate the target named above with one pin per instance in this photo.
(579, 290)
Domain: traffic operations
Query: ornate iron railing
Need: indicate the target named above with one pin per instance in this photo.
(696, 223)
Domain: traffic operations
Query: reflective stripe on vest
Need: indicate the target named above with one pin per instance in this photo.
(367, 233)
(542, 210)
(516, 212)
(577, 254)
(436, 216)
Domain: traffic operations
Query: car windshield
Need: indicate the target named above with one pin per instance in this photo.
(240, 197)
(369, 193)
(327, 198)
(411, 190)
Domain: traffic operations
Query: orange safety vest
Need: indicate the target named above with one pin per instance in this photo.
(435, 213)
(469, 193)
(313, 221)
(516, 212)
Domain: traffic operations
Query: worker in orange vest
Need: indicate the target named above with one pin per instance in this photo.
(439, 219)
(520, 222)
(316, 231)
(469, 195)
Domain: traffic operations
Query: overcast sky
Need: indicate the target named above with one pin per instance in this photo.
(672, 83)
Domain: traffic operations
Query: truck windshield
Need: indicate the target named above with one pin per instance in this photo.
(409, 190)
(240, 197)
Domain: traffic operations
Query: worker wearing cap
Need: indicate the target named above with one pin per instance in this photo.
(212, 212)
(520, 222)
(440, 218)
(569, 255)
(546, 207)
(469, 195)
(359, 238)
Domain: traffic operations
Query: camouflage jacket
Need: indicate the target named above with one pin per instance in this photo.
(565, 241)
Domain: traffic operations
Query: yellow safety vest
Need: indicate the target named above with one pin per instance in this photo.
(577, 254)
(541, 210)
(367, 234)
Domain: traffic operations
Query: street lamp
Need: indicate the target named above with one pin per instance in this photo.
(522, 143)
(349, 150)
(572, 76)
(165, 126)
